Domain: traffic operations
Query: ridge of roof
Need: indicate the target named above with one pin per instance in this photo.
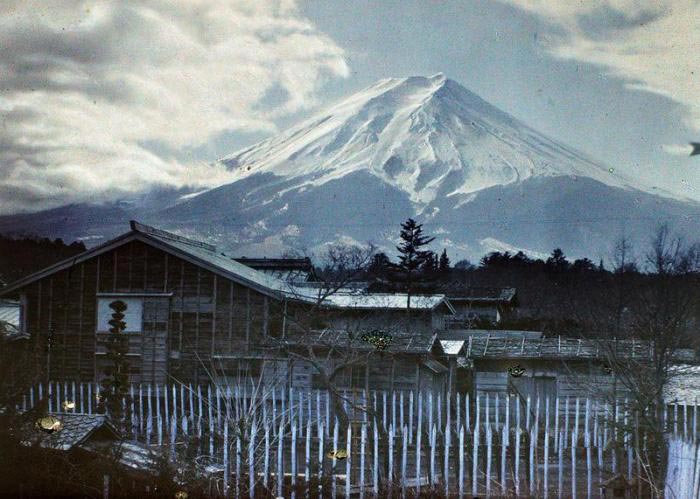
(164, 234)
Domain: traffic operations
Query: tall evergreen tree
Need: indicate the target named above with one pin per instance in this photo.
(115, 385)
(412, 255)
(379, 265)
(444, 264)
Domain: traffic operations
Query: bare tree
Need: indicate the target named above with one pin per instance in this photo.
(313, 339)
(656, 308)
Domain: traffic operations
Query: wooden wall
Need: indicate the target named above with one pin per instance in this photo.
(196, 324)
(204, 314)
(544, 378)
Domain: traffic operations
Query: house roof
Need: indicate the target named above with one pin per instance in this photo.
(457, 291)
(400, 343)
(206, 255)
(77, 428)
(452, 347)
(199, 253)
(295, 270)
(464, 334)
(361, 300)
(558, 348)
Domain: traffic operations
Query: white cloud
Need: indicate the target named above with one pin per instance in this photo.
(652, 45)
(86, 86)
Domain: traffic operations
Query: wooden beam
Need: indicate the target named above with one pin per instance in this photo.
(393, 366)
(145, 268)
(80, 321)
(131, 264)
(284, 319)
(50, 328)
(230, 317)
(418, 376)
(247, 319)
(182, 306)
(38, 311)
(66, 304)
(213, 316)
(114, 270)
(266, 312)
(94, 335)
(196, 329)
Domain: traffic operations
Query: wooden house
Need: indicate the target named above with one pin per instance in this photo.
(193, 312)
(530, 365)
(479, 306)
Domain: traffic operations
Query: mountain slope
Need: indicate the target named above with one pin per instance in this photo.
(422, 147)
(425, 136)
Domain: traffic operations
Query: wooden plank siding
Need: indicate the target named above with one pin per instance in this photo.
(196, 325)
(205, 316)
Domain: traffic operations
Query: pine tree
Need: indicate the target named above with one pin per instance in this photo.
(444, 264)
(412, 256)
(379, 266)
(115, 385)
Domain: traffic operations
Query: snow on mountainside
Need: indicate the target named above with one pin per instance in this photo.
(421, 135)
(424, 147)
(478, 178)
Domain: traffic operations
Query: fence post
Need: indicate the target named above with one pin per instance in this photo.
(238, 458)
(475, 454)
(504, 449)
(320, 432)
(363, 439)
(390, 475)
(280, 450)
(573, 465)
(404, 462)
(410, 416)
(545, 489)
(489, 458)
(227, 473)
(418, 455)
(375, 474)
(293, 452)
(461, 462)
(518, 433)
(446, 453)
(348, 463)
(251, 460)
(266, 457)
(560, 457)
(307, 455)
(105, 487)
(433, 442)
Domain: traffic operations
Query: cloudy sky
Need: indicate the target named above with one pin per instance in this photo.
(101, 100)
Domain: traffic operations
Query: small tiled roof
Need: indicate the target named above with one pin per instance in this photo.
(361, 300)
(512, 334)
(460, 292)
(400, 343)
(452, 347)
(559, 348)
(77, 428)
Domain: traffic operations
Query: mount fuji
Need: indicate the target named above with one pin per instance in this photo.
(425, 147)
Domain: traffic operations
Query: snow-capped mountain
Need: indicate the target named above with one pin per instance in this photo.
(425, 136)
(425, 147)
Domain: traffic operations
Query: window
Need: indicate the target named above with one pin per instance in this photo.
(133, 315)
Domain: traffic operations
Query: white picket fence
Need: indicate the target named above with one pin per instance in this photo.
(277, 441)
(683, 474)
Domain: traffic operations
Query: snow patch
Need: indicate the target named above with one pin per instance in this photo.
(491, 244)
